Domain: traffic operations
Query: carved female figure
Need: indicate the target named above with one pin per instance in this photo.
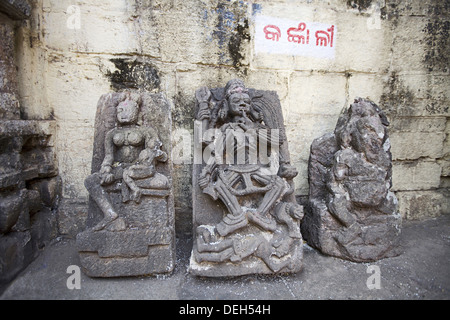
(130, 155)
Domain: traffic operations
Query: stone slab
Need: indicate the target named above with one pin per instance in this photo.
(260, 242)
(140, 240)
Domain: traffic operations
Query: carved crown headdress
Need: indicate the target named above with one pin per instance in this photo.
(235, 86)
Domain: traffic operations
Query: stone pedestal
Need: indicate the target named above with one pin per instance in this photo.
(139, 242)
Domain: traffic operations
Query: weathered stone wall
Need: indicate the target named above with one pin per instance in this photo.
(29, 182)
(393, 52)
(416, 100)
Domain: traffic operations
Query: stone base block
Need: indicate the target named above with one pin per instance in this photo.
(126, 253)
(251, 265)
(376, 238)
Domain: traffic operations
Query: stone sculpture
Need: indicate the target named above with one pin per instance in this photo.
(353, 214)
(131, 213)
(246, 220)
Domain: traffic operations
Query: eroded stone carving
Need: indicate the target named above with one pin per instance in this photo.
(245, 216)
(353, 212)
(130, 189)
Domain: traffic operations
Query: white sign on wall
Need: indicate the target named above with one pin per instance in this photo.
(294, 37)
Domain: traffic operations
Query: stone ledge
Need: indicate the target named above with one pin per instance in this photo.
(125, 244)
(10, 128)
(16, 9)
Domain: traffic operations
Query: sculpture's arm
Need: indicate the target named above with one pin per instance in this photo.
(256, 113)
(153, 146)
(207, 173)
(105, 171)
(203, 96)
(109, 151)
(151, 139)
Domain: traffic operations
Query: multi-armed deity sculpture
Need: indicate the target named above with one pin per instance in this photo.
(246, 219)
(353, 212)
(131, 211)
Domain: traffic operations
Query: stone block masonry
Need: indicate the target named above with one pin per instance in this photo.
(29, 182)
(393, 52)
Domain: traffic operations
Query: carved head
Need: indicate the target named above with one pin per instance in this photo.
(369, 131)
(237, 98)
(369, 137)
(363, 129)
(234, 86)
(128, 110)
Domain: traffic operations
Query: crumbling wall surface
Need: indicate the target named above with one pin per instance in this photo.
(392, 52)
(29, 182)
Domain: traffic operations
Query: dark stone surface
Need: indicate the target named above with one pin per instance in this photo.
(352, 214)
(134, 74)
(11, 206)
(126, 253)
(16, 9)
(15, 254)
(130, 226)
(27, 162)
(245, 217)
(29, 191)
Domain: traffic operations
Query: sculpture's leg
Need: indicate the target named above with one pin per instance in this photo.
(236, 218)
(268, 201)
(285, 213)
(228, 198)
(214, 256)
(338, 208)
(97, 193)
(246, 248)
(277, 191)
(265, 252)
(128, 178)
